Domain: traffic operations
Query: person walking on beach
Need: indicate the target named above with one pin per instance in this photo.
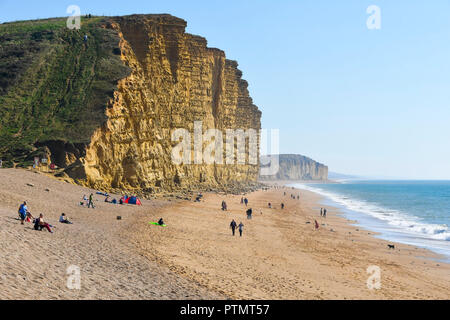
(282, 206)
(242, 200)
(321, 212)
(316, 224)
(91, 203)
(246, 201)
(249, 213)
(241, 229)
(233, 226)
(324, 213)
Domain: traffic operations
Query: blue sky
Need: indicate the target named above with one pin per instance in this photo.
(366, 102)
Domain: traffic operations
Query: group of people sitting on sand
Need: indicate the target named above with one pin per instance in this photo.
(39, 223)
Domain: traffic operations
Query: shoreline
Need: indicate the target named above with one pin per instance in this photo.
(379, 227)
(281, 256)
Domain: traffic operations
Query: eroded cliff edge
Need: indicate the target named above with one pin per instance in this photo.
(174, 80)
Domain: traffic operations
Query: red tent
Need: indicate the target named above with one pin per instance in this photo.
(132, 200)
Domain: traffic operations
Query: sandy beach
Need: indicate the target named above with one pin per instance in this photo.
(280, 256)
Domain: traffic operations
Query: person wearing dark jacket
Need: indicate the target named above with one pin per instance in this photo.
(233, 226)
(241, 229)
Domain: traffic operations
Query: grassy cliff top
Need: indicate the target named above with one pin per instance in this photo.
(53, 85)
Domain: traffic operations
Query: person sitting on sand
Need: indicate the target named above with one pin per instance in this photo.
(107, 199)
(84, 200)
(63, 219)
(39, 224)
(161, 222)
(270, 205)
(282, 206)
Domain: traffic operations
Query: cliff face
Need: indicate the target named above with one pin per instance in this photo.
(160, 79)
(297, 167)
(175, 80)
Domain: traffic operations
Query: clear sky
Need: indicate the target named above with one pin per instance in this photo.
(365, 102)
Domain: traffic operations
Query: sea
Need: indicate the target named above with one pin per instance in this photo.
(410, 212)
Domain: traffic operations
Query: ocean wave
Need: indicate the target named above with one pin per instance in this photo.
(403, 222)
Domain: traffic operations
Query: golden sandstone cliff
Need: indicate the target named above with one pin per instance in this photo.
(175, 80)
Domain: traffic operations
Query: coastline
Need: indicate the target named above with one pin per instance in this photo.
(364, 218)
(281, 256)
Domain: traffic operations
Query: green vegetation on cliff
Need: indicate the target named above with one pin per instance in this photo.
(53, 85)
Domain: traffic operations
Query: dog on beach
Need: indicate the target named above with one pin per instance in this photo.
(391, 246)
